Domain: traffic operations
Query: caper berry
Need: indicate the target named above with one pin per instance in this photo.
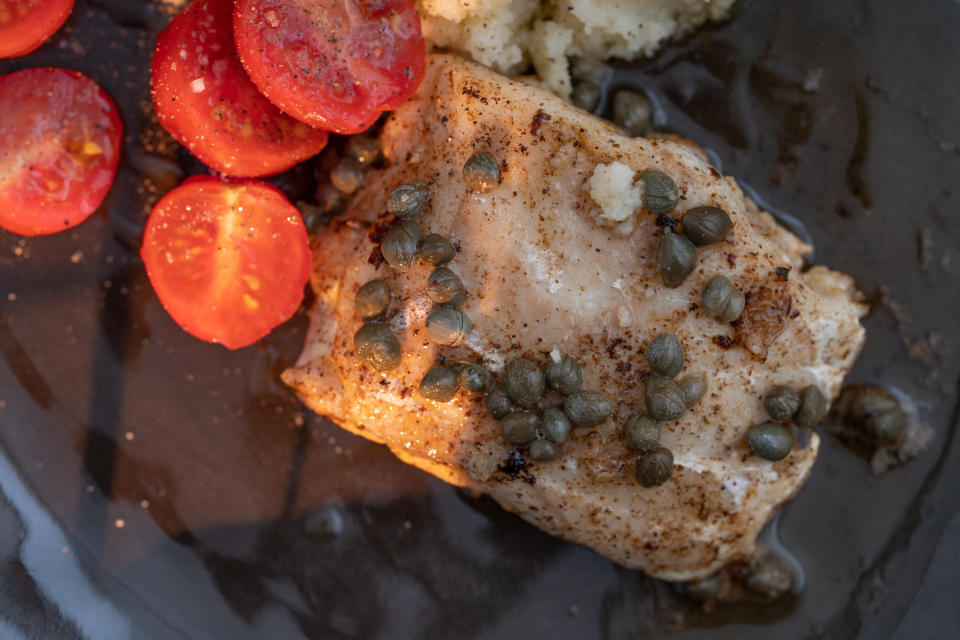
(631, 111)
(706, 589)
(524, 382)
(408, 200)
(781, 402)
(769, 577)
(364, 149)
(660, 193)
(440, 384)
(498, 403)
(473, 377)
(665, 355)
(436, 250)
(676, 258)
(655, 468)
(813, 406)
(692, 387)
(443, 285)
(481, 172)
(565, 376)
(721, 300)
(372, 298)
(448, 327)
(519, 428)
(544, 450)
(663, 398)
(347, 175)
(400, 245)
(706, 225)
(555, 425)
(642, 433)
(585, 95)
(588, 408)
(873, 410)
(770, 441)
(377, 347)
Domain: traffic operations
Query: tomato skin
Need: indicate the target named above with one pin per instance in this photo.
(60, 138)
(27, 24)
(205, 99)
(335, 64)
(228, 259)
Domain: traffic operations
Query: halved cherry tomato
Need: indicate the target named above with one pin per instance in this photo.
(335, 64)
(59, 147)
(204, 98)
(228, 259)
(26, 24)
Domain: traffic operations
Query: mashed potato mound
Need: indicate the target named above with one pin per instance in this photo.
(509, 35)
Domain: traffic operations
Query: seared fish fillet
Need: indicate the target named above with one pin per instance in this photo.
(543, 275)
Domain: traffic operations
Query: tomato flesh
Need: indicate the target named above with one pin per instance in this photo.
(228, 260)
(335, 64)
(204, 98)
(59, 148)
(26, 24)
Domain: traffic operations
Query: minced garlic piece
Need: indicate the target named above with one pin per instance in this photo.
(611, 186)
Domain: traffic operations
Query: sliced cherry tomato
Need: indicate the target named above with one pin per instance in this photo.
(59, 147)
(204, 98)
(228, 259)
(26, 24)
(335, 64)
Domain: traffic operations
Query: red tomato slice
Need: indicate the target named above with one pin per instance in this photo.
(228, 260)
(204, 98)
(59, 147)
(335, 64)
(26, 24)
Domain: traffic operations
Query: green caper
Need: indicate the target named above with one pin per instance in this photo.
(676, 258)
(408, 200)
(519, 428)
(813, 406)
(721, 300)
(873, 410)
(377, 347)
(543, 450)
(692, 387)
(330, 199)
(456, 300)
(663, 398)
(372, 298)
(631, 111)
(481, 172)
(665, 355)
(364, 149)
(585, 95)
(565, 376)
(524, 382)
(473, 377)
(769, 577)
(642, 433)
(443, 285)
(347, 175)
(555, 425)
(770, 441)
(436, 250)
(660, 193)
(498, 403)
(448, 327)
(655, 468)
(400, 245)
(440, 384)
(706, 589)
(588, 408)
(781, 402)
(706, 225)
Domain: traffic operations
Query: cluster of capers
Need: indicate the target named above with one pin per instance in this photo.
(442, 382)
(806, 408)
(374, 343)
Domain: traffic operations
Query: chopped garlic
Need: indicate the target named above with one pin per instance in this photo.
(611, 187)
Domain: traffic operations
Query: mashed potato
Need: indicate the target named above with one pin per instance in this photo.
(509, 35)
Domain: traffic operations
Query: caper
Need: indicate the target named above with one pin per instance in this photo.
(456, 300)
(655, 468)
(519, 428)
(481, 172)
(436, 250)
(330, 199)
(660, 193)
(473, 377)
(443, 285)
(347, 175)
(524, 382)
(721, 300)
(440, 383)
(706, 225)
(873, 410)
(565, 376)
(631, 111)
(692, 387)
(544, 450)
(585, 95)
(663, 398)
(498, 403)
(813, 406)
(769, 577)
(676, 258)
(642, 433)
(377, 347)
(555, 425)
(364, 149)
(781, 402)
(372, 298)
(770, 441)
(408, 200)
(665, 355)
(706, 589)
(400, 245)
(588, 408)
(448, 327)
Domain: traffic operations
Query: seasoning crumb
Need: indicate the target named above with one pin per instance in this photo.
(119, 523)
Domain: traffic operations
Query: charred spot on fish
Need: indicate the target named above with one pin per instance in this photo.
(783, 273)
(539, 118)
(666, 220)
(724, 342)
